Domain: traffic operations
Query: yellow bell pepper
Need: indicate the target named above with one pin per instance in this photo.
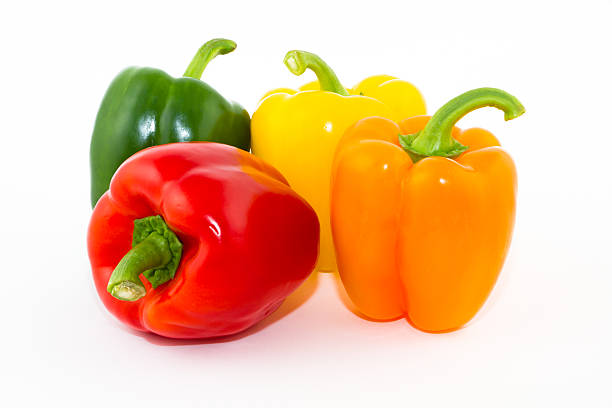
(297, 131)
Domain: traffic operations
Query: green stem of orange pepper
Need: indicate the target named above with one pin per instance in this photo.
(435, 139)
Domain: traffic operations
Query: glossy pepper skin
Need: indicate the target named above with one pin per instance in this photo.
(145, 107)
(422, 222)
(198, 240)
(297, 132)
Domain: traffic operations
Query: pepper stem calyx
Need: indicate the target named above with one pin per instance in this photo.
(217, 46)
(436, 140)
(299, 61)
(156, 252)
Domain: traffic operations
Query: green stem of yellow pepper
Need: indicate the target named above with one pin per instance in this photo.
(436, 140)
(299, 61)
(206, 53)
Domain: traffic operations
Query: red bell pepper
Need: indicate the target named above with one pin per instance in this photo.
(198, 240)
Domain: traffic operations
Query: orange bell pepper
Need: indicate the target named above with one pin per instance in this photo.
(424, 232)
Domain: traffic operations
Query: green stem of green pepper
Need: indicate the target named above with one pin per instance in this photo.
(435, 139)
(299, 61)
(206, 53)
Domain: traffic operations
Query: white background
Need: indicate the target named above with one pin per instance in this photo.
(543, 338)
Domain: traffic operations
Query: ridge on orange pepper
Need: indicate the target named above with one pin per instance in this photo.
(422, 213)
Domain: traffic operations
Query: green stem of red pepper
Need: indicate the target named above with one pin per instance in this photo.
(206, 53)
(436, 140)
(299, 61)
(155, 253)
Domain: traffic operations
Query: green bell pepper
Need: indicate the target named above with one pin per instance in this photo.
(145, 107)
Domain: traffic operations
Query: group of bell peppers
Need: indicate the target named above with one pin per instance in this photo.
(205, 239)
